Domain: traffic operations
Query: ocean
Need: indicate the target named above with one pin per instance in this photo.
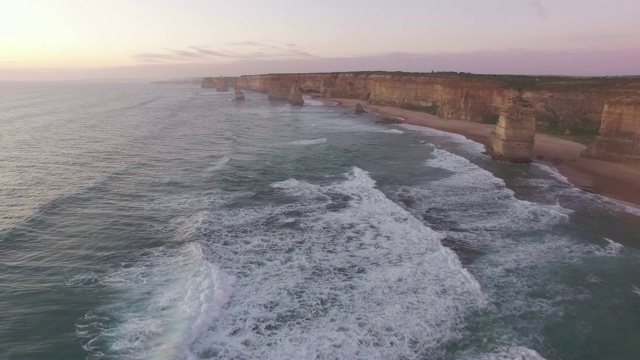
(144, 221)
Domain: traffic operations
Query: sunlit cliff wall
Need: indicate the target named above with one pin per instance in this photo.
(619, 138)
(561, 104)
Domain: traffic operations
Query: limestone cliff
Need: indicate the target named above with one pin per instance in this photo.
(208, 83)
(560, 104)
(221, 83)
(619, 138)
(513, 138)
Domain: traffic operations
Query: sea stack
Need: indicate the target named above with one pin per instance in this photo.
(295, 95)
(239, 93)
(359, 109)
(513, 138)
(619, 138)
(221, 84)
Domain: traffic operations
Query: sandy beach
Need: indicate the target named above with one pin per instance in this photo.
(617, 181)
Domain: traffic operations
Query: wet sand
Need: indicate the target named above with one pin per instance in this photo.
(617, 181)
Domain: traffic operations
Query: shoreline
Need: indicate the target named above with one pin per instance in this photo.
(614, 180)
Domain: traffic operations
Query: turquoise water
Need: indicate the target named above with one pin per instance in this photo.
(141, 221)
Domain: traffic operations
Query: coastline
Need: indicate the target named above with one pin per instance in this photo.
(614, 180)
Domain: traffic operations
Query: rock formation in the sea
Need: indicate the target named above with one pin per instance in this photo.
(359, 109)
(619, 138)
(221, 84)
(208, 83)
(513, 137)
(295, 95)
(239, 95)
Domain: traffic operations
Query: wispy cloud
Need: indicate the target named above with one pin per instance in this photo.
(539, 8)
(246, 50)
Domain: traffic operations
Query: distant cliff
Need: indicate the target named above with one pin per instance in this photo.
(221, 82)
(562, 105)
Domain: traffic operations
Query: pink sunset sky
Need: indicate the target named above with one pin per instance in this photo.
(163, 39)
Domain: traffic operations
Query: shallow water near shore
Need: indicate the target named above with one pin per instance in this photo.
(143, 221)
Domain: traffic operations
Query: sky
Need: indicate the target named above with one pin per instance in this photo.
(165, 39)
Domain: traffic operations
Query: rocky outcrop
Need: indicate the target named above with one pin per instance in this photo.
(561, 105)
(239, 95)
(359, 109)
(208, 83)
(513, 138)
(221, 83)
(295, 95)
(619, 138)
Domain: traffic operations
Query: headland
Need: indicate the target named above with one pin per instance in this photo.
(569, 114)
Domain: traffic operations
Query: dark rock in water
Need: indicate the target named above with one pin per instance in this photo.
(359, 109)
(390, 120)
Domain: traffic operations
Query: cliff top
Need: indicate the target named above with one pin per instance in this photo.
(628, 100)
(520, 82)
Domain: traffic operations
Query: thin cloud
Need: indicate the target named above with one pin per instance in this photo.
(539, 8)
(246, 50)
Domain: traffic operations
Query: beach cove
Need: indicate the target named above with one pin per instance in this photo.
(614, 180)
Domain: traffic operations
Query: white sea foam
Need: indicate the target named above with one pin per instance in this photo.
(469, 188)
(504, 238)
(169, 298)
(594, 200)
(347, 274)
(350, 125)
(514, 353)
(552, 171)
(310, 141)
(456, 138)
(218, 164)
(392, 131)
(313, 102)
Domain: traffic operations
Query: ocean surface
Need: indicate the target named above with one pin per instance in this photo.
(142, 221)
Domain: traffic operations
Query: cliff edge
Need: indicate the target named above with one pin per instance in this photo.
(561, 105)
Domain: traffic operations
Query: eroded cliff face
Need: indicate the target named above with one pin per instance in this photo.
(221, 83)
(619, 138)
(208, 82)
(444, 96)
(561, 104)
